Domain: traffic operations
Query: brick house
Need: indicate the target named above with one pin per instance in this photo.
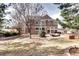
(39, 23)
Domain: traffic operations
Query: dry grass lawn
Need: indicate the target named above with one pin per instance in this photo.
(35, 47)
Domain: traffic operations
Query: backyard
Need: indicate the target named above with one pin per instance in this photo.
(38, 29)
(21, 46)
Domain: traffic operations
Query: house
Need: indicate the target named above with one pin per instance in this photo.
(39, 23)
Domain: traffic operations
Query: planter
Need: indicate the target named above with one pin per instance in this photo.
(71, 36)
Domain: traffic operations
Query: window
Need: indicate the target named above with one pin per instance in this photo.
(37, 28)
(42, 22)
(52, 31)
(55, 31)
(40, 28)
(48, 31)
(36, 22)
(43, 29)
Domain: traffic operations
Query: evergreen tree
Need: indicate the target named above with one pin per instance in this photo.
(69, 11)
(2, 12)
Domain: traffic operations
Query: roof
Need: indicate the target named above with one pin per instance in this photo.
(42, 17)
(46, 17)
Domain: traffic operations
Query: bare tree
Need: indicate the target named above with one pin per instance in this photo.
(24, 13)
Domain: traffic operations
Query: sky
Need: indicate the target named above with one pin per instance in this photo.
(52, 10)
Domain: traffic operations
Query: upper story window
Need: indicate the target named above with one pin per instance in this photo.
(36, 22)
(42, 23)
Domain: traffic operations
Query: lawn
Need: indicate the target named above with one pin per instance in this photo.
(35, 47)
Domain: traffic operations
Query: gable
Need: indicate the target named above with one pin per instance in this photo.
(46, 17)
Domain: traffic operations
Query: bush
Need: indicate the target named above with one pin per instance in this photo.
(1, 33)
(42, 34)
(14, 33)
(7, 34)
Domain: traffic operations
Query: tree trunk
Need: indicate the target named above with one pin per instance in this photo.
(30, 30)
(30, 34)
(19, 31)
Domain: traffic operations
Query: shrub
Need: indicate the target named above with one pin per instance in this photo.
(14, 33)
(42, 34)
(1, 33)
(7, 34)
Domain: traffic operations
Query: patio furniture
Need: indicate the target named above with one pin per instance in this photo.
(55, 34)
(71, 37)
